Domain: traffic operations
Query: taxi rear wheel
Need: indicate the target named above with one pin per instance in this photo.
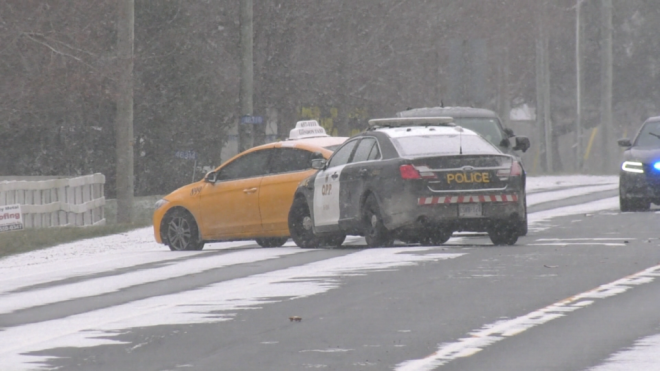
(182, 233)
(300, 225)
(271, 242)
(375, 231)
(503, 233)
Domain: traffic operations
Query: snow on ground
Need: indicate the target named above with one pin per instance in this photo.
(543, 183)
(112, 250)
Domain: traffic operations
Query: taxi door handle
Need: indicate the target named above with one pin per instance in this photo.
(249, 190)
(334, 176)
(363, 172)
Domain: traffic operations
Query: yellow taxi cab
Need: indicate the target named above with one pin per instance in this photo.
(247, 197)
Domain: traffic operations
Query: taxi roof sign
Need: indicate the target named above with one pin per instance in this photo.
(307, 129)
(411, 121)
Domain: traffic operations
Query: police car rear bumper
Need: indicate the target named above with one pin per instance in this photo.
(412, 212)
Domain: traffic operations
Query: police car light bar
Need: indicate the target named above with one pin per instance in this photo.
(412, 121)
(307, 129)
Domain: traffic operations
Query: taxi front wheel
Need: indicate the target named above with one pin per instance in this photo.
(182, 233)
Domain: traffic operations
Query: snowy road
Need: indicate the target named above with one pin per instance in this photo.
(125, 302)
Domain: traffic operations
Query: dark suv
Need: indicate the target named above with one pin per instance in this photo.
(485, 122)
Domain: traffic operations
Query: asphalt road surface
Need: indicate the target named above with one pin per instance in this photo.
(580, 292)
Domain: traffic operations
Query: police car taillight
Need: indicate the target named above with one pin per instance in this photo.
(416, 172)
(409, 172)
(515, 170)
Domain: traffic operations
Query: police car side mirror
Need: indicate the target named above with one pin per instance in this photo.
(625, 143)
(509, 132)
(522, 144)
(211, 177)
(318, 163)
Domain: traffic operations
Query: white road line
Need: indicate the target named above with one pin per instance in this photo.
(104, 285)
(643, 356)
(537, 218)
(490, 334)
(542, 197)
(209, 304)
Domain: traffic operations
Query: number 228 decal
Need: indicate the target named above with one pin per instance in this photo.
(326, 189)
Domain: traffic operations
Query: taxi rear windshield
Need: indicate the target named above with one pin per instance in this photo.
(429, 145)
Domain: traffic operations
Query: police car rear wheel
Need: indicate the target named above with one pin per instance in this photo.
(334, 240)
(375, 231)
(436, 237)
(182, 233)
(503, 234)
(300, 225)
(271, 242)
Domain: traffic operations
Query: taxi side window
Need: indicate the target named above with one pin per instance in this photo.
(367, 150)
(343, 154)
(286, 160)
(250, 165)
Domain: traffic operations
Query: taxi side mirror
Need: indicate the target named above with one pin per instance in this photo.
(625, 142)
(318, 163)
(211, 177)
(522, 144)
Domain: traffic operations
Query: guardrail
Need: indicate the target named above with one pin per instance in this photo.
(57, 202)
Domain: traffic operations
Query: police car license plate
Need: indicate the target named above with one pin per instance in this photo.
(469, 210)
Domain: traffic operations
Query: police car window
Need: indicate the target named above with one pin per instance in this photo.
(649, 136)
(287, 160)
(443, 145)
(374, 154)
(486, 127)
(343, 154)
(250, 165)
(362, 150)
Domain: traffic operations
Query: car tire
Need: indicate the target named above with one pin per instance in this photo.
(375, 231)
(633, 204)
(503, 234)
(523, 227)
(334, 240)
(300, 225)
(271, 242)
(436, 237)
(182, 233)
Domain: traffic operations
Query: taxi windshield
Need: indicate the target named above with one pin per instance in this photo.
(429, 145)
(487, 127)
(649, 136)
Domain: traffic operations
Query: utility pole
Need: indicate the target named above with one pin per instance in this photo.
(247, 75)
(578, 87)
(606, 83)
(124, 119)
(543, 121)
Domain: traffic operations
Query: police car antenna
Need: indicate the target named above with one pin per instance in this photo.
(460, 142)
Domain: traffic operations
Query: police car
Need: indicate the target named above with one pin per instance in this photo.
(414, 179)
(639, 178)
(246, 198)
